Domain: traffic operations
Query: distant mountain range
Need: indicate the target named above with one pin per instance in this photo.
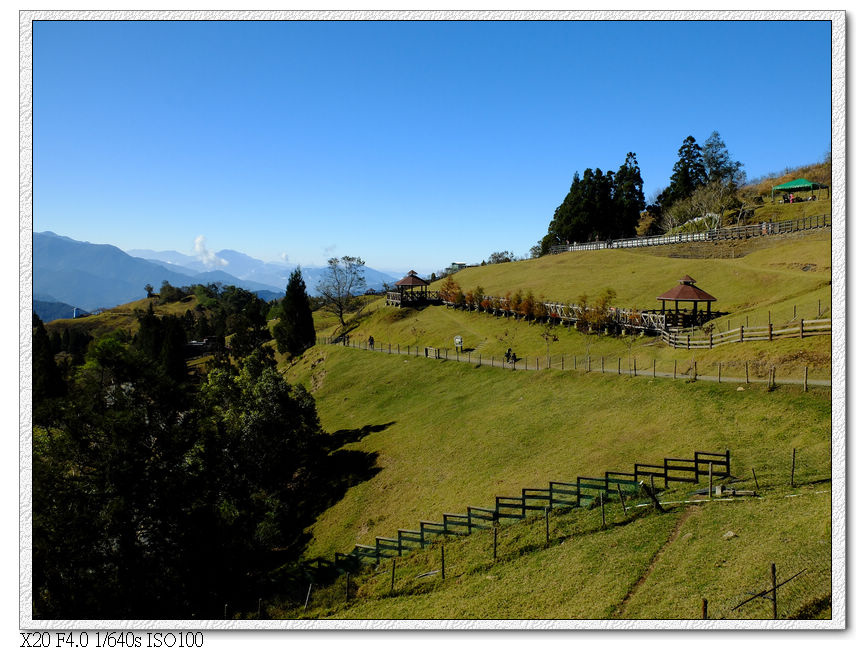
(93, 276)
(249, 269)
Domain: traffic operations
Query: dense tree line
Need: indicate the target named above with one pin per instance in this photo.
(158, 493)
(704, 185)
(600, 205)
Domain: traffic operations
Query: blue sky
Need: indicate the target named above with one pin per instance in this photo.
(409, 144)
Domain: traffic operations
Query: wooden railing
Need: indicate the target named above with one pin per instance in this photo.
(714, 234)
(584, 492)
(770, 332)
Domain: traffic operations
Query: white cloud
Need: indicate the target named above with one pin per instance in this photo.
(206, 257)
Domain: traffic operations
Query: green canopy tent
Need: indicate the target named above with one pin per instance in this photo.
(799, 185)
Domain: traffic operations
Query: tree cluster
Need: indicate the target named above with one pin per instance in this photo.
(704, 186)
(598, 206)
(162, 494)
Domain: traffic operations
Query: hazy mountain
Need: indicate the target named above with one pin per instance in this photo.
(250, 269)
(100, 275)
(49, 310)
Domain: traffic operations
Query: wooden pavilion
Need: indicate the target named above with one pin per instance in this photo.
(686, 291)
(412, 289)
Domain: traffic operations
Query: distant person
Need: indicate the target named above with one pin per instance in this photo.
(508, 355)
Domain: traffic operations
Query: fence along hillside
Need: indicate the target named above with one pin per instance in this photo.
(585, 492)
(714, 234)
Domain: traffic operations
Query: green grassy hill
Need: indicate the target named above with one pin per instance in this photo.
(751, 279)
(643, 565)
(448, 435)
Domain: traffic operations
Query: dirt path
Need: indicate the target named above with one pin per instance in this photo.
(674, 535)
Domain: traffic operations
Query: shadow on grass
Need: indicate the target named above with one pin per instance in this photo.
(344, 436)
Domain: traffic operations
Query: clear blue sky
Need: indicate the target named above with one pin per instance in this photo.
(409, 144)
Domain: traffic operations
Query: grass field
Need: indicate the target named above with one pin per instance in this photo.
(641, 565)
(450, 435)
(755, 280)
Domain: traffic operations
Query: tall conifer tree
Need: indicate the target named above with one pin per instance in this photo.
(295, 331)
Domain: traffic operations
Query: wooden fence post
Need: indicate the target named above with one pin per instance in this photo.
(495, 541)
(711, 480)
(754, 474)
(653, 368)
(719, 372)
(774, 593)
(805, 386)
(747, 381)
(603, 512)
(793, 468)
(705, 609)
(770, 331)
(674, 368)
(741, 333)
(443, 561)
(620, 365)
(547, 517)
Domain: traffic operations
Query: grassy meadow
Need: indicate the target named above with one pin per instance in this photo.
(450, 435)
(642, 565)
(753, 281)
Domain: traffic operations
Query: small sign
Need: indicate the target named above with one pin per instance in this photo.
(458, 341)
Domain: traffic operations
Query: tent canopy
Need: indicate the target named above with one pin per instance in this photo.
(799, 185)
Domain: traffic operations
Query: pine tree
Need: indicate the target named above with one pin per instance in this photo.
(718, 163)
(628, 197)
(295, 331)
(689, 173)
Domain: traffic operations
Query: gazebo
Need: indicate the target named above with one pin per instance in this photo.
(798, 185)
(411, 288)
(687, 291)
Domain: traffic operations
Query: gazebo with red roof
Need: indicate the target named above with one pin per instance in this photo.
(688, 291)
(412, 288)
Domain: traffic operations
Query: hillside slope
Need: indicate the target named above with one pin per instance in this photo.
(450, 435)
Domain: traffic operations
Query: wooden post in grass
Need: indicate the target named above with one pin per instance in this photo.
(819, 311)
(392, 574)
(805, 384)
(695, 370)
(537, 363)
(801, 328)
(603, 512)
(754, 474)
(793, 468)
(719, 372)
(443, 561)
(495, 542)
(547, 518)
(711, 477)
(774, 593)
(622, 499)
(705, 609)
(620, 365)
(747, 381)
(653, 368)
(602, 365)
(770, 331)
(741, 334)
(674, 368)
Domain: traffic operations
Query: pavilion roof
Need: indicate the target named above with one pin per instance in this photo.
(687, 290)
(412, 280)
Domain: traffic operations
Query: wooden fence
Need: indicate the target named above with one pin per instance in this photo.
(714, 234)
(585, 492)
(697, 339)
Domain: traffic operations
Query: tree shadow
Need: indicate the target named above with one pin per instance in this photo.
(342, 437)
